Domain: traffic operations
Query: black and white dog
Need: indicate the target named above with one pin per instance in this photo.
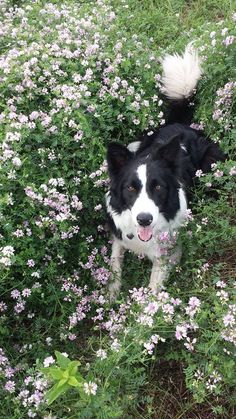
(146, 201)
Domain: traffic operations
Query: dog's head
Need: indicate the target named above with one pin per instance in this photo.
(144, 187)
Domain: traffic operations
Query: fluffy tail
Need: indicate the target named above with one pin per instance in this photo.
(179, 81)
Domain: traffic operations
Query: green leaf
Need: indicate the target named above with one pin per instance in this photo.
(45, 370)
(56, 373)
(55, 392)
(62, 360)
(66, 374)
(73, 382)
(73, 366)
(62, 382)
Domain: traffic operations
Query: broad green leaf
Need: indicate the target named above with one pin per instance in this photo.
(62, 382)
(56, 373)
(45, 370)
(73, 382)
(55, 392)
(65, 374)
(73, 366)
(63, 361)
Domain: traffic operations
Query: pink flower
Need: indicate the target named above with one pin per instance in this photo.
(10, 386)
(151, 308)
(149, 347)
(20, 306)
(18, 233)
(15, 294)
(229, 320)
(181, 331)
(176, 301)
(199, 173)
(31, 263)
(168, 308)
(9, 372)
(72, 336)
(194, 302)
(190, 344)
(193, 306)
(3, 306)
(218, 173)
(164, 236)
(26, 292)
(228, 40)
(16, 161)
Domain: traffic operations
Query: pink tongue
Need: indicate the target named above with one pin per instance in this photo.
(145, 233)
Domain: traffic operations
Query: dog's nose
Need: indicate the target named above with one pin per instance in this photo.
(144, 219)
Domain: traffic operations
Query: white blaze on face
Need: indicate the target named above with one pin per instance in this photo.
(144, 204)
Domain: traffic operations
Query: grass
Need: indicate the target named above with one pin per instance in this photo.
(169, 23)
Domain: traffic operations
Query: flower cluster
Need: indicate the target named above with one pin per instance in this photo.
(229, 321)
(6, 254)
(32, 394)
(223, 103)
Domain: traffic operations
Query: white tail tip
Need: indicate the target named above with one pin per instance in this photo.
(181, 74)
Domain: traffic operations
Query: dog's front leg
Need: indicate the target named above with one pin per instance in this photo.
(159, 274)
(117, 255)
(162, 267)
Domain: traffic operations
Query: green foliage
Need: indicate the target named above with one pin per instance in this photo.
(66, 376)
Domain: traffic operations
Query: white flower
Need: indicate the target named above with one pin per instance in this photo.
(48, 361)
(98, 207)
(228, 320)
(5, 261)
(90, 388)
(101, 354)
(145, 320)
(115, 346)
(199, 173)
(149, 347)
(16, 161)
(7, 251)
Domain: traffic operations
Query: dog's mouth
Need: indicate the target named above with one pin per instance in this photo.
(144, 233)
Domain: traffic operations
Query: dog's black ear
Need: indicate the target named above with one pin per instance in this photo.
(170, 151)
(117, 157)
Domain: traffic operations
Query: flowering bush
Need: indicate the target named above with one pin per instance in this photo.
(72, 79)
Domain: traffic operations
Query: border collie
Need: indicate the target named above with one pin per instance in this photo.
(146, 202)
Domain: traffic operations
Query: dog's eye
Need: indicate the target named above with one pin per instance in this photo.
(157, 187)
(131, 188)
